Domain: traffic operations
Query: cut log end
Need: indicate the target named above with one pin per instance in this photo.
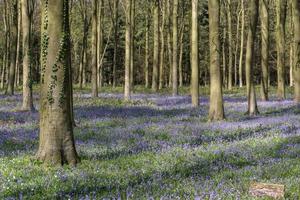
(275, 191)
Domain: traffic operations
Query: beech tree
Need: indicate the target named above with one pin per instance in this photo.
(216, 108)
(27, 13)
(194, 55)
(280, 46)
(13, 49)
(56, 145)
(296, 19)
(155, 73)
(251, 95)
(264, 18)
(127, 87)
(175, 48)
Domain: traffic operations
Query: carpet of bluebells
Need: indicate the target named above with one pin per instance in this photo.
(154, 147)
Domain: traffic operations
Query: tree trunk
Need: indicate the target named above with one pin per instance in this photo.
(169, 41)
(155, 73)
(264, 18)
(94, 49)
(100, 42)
(56, 146)
(296, 19)
(230, 45)
(280, 44)
(27, 13)
(216, 108)
(175, 48)
(162, 46)
(127, 89)
(132, 47)
(181, 45)
(13, 50)
(242, 46)
(116, 37)
(17, 79)
(194, 55)
(147, 53)
(252, 104)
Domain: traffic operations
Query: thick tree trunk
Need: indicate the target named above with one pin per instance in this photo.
(155, 73)
(216, 108)
(127, 88)
(280, 44)
(56, 146)
(194, 55)
(252, 104)
(264, 18)
(296, 19)
(26, 32)
(94, 50)
(175, 48)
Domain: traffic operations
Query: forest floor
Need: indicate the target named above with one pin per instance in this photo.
(154, 146)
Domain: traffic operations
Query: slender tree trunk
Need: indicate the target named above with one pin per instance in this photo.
(26, 32)
(194, 55)
(175, 48)
(127, 89)
(252, 104)
(169, 41)
(100, 42)
(162, 46)
(242, 46)
(13, 51)
(7, 46)
(180, 67)
(116, 37)
(132, 54)
(264, 18)
(147, 53)
(280, 38)
(230, 45)
(216, 108)
(155, 73)
(17, 79)
(296, 19)
(237, 48)
(56, 146)
(94, 49)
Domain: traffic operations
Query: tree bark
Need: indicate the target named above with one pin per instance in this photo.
(230, 45)
(116, 40)
(242, 46)
(94, 49)
(194, 55)
(27, 13)
(216, 108)
(155, 73)
(56, 145)
(280, 45)
(296, 19)
(252, 104)
(147, 53)
(162, 46)
(13, 50)
(127, 88)
(175, 48)
(264, 18)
